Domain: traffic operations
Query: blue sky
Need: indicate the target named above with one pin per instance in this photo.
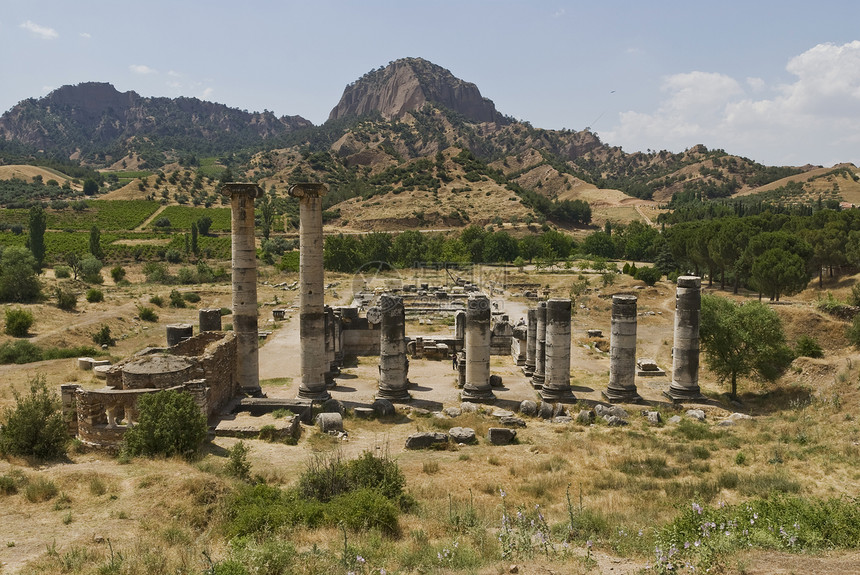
(775, 81)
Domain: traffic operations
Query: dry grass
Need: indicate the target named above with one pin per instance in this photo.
(161, 515)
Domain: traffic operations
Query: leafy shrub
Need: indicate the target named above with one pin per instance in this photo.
(18, 322)
(176, 299)
(66, 299)
(62, 272)
(191, 297)
(117, 273)
(22, 351)
(649, 275)
(146, 313)
(808, 346)
(186, 275)
(238, 465)
(91, 269)
(853, 331)
(34, 426)
(170, 423)
(95, 295)
(157, 300)
(360, 494)
(329, 476)
(173, 256)
(40, 489)
(103, 337)
(156, 272)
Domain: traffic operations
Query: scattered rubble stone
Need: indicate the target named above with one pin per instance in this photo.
(426, 439)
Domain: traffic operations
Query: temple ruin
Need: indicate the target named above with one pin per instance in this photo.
(221, 369)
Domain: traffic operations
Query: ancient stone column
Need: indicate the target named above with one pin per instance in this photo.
(556, 386)
(477, 344)
(685, 349)
(460, 325)
(338, 338)
(531, 343)
(311, 315)
(328, 327)
(178, 332)
(622, 351)
(245, 285)
(540, 346)
(393, 363)
(209, 319)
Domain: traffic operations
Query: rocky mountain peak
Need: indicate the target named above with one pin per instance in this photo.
(408, 84)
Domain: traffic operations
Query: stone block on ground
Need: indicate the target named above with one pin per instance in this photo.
(364, 412)
(452, 412)
(652, 417)
(462, 434)
(426, 439)
(528, 408)
(562, 419)
(697, 414)
(585, 416)
(614, 421)
(675, 419)
(468, 407)
(512, 421)
(495, 381)
(613, 410)
(545, 410)
(501, 435)
(383, 408)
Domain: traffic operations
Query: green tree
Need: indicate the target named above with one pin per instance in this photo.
(34, 426)
(341, 253)
(95, 242)
(267, 214)
(38, 221)
(195, 246)
(18, 280)
(777, 272)
(203, 225)
(169, 423)
(741, 340)
(408, 248)
(91, 187)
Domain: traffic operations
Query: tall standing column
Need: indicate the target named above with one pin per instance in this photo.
(245, 285)
(540, 346)
(393, 363)
(685, 349)
(477, 344)
(311, 315)
(531, 342)
(556, 386)
(622, 351)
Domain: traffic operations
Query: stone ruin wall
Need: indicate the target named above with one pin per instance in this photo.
(209, 375)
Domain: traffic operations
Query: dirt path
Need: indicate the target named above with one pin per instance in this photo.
(150, 219)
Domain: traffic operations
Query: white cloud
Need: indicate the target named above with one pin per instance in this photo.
(174, 74)
(207, 93)
(86, 35)
(815, 118)
(142, 69)
(559, 13)
(38, 31)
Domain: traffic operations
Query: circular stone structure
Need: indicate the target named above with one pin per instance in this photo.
(157, 371)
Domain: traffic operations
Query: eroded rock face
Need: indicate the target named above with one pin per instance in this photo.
(406, 85)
